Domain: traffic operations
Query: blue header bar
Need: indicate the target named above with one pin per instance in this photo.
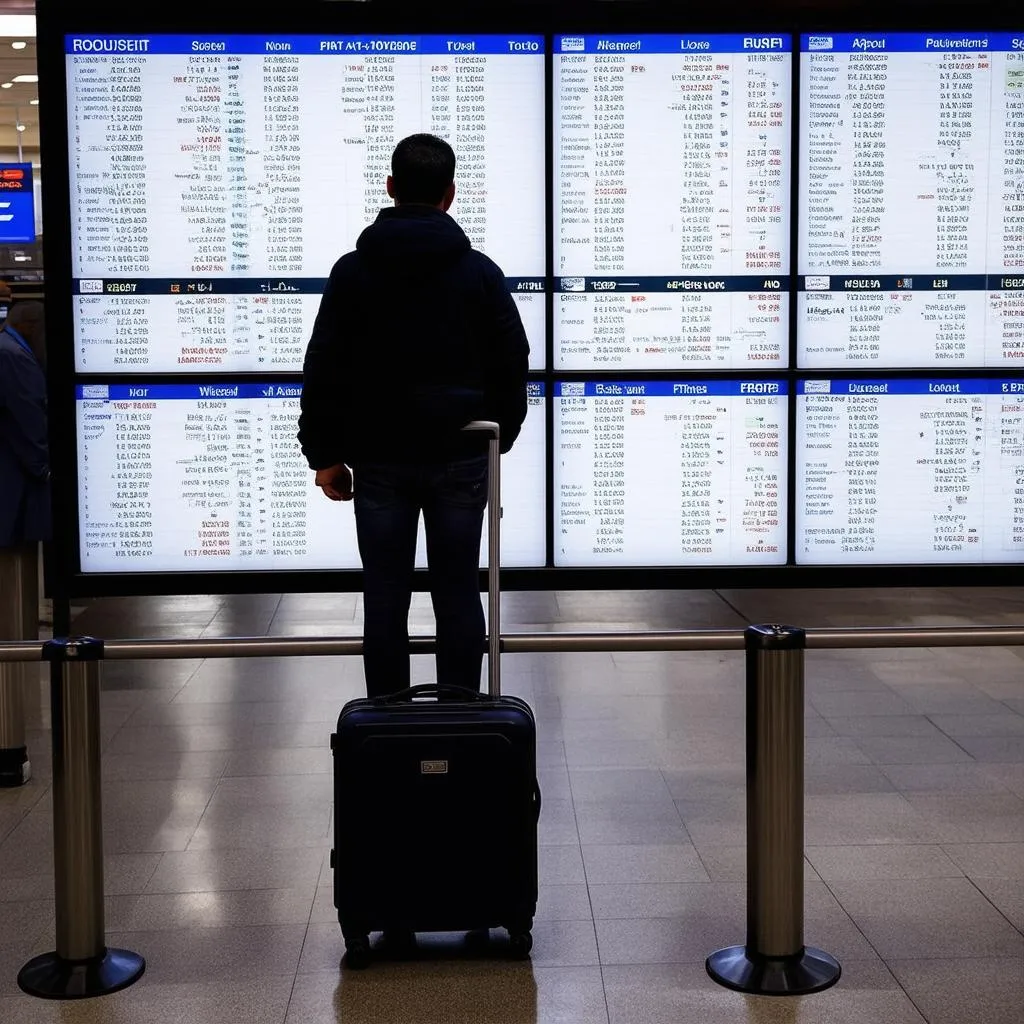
(912, 42)
(284, 45)
(920, 386)
(671, 389)
(689, 44)
(189, 392)
(208, 392)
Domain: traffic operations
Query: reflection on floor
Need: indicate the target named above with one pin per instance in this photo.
(217, 804)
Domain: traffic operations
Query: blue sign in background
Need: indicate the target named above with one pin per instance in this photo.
(623, 45)
(17, 204)
(911, 42)
(672, 389)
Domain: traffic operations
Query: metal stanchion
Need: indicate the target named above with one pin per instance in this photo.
(82, 965)
(775, 960)
(19, 620)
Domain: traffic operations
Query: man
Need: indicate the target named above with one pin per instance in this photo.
(24, 451)
(416, 335)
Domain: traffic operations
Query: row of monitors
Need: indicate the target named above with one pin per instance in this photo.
(677, 206)
(755, 472)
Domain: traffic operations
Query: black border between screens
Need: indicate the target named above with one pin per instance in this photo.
(54, 19)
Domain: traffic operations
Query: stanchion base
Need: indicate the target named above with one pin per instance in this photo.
(810, 971)
(52, 977)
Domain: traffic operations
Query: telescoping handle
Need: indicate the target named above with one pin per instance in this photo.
(493, 553)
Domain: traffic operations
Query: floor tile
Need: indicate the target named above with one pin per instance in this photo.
(214, 870)
(887, 750)
(560, 865)
(869, 703)
(882, 725)
(624, 823)
(1007, 896)
(244, 907)
(434, 993)
(648, 863)
(824, 779)
(684, 994)
(942, 778)
(563, 903)
(611, 784)
(867, 863)
(982, 817)
(849, 820)
(729, 863)
(920, 919)
(989, 991)
(995, 749)
(963, 726)
(989, 860)
(214, 954)
(262, 1000)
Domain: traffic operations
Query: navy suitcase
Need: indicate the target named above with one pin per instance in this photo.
(437, 802)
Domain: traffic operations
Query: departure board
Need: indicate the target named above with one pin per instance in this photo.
(670, 473)
(893, 470)
(191, 477)
(215, 180)
(671, 201)
(911, 246)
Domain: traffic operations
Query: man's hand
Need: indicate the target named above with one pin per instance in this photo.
(335, 482)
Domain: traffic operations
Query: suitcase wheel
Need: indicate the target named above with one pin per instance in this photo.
(520, 942)
(357, 950)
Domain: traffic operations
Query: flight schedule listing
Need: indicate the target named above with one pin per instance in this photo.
(671, 201)
(911, 241)
(670, 473)
(910, 470)
(215, 180)
(207, 477)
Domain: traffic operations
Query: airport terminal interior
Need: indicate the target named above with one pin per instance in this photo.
(217, 806)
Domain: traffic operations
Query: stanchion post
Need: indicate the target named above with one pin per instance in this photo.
(19, 620)
(774, 960)
(82, 965)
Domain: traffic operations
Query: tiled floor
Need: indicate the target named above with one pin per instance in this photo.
(217, 804)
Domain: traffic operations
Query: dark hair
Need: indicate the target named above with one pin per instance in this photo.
(422, 168)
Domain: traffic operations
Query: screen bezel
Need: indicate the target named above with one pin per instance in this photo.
(792, 17)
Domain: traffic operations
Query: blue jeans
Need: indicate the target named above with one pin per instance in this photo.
(388, 500)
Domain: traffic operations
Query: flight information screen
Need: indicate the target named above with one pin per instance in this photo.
(215, 180)
(911, 248)
(670, 473)
(671, 201)
(897, 470)
(207, 477)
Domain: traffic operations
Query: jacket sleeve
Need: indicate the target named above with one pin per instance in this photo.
(23, 397)
(509, 362)
(322, 426)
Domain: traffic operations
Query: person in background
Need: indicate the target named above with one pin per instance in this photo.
(6, 298)
(25, 512)
(416, 335)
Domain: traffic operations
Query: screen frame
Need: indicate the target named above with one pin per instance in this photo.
(791, 17)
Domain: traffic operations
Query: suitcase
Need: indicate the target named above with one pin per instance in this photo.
(437, 801)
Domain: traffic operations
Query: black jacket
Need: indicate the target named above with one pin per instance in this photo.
(416, 335)
(25, 514)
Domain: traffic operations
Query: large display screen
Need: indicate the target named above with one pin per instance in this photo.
(215, 180)
(772, 279)
(199, 477)
(896, 470)
(912, 200)
(671, 195)
(669, 472)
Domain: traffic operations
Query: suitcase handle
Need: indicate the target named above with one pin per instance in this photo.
(430, 690)
(493, 551)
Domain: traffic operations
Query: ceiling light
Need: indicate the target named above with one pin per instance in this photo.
(18, 26)
(25, 78)
(34, 103)
(7, 85)
(20, 127)
(19, 45)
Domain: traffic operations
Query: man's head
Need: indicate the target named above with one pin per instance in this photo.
(27, 319)
(423, 172)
